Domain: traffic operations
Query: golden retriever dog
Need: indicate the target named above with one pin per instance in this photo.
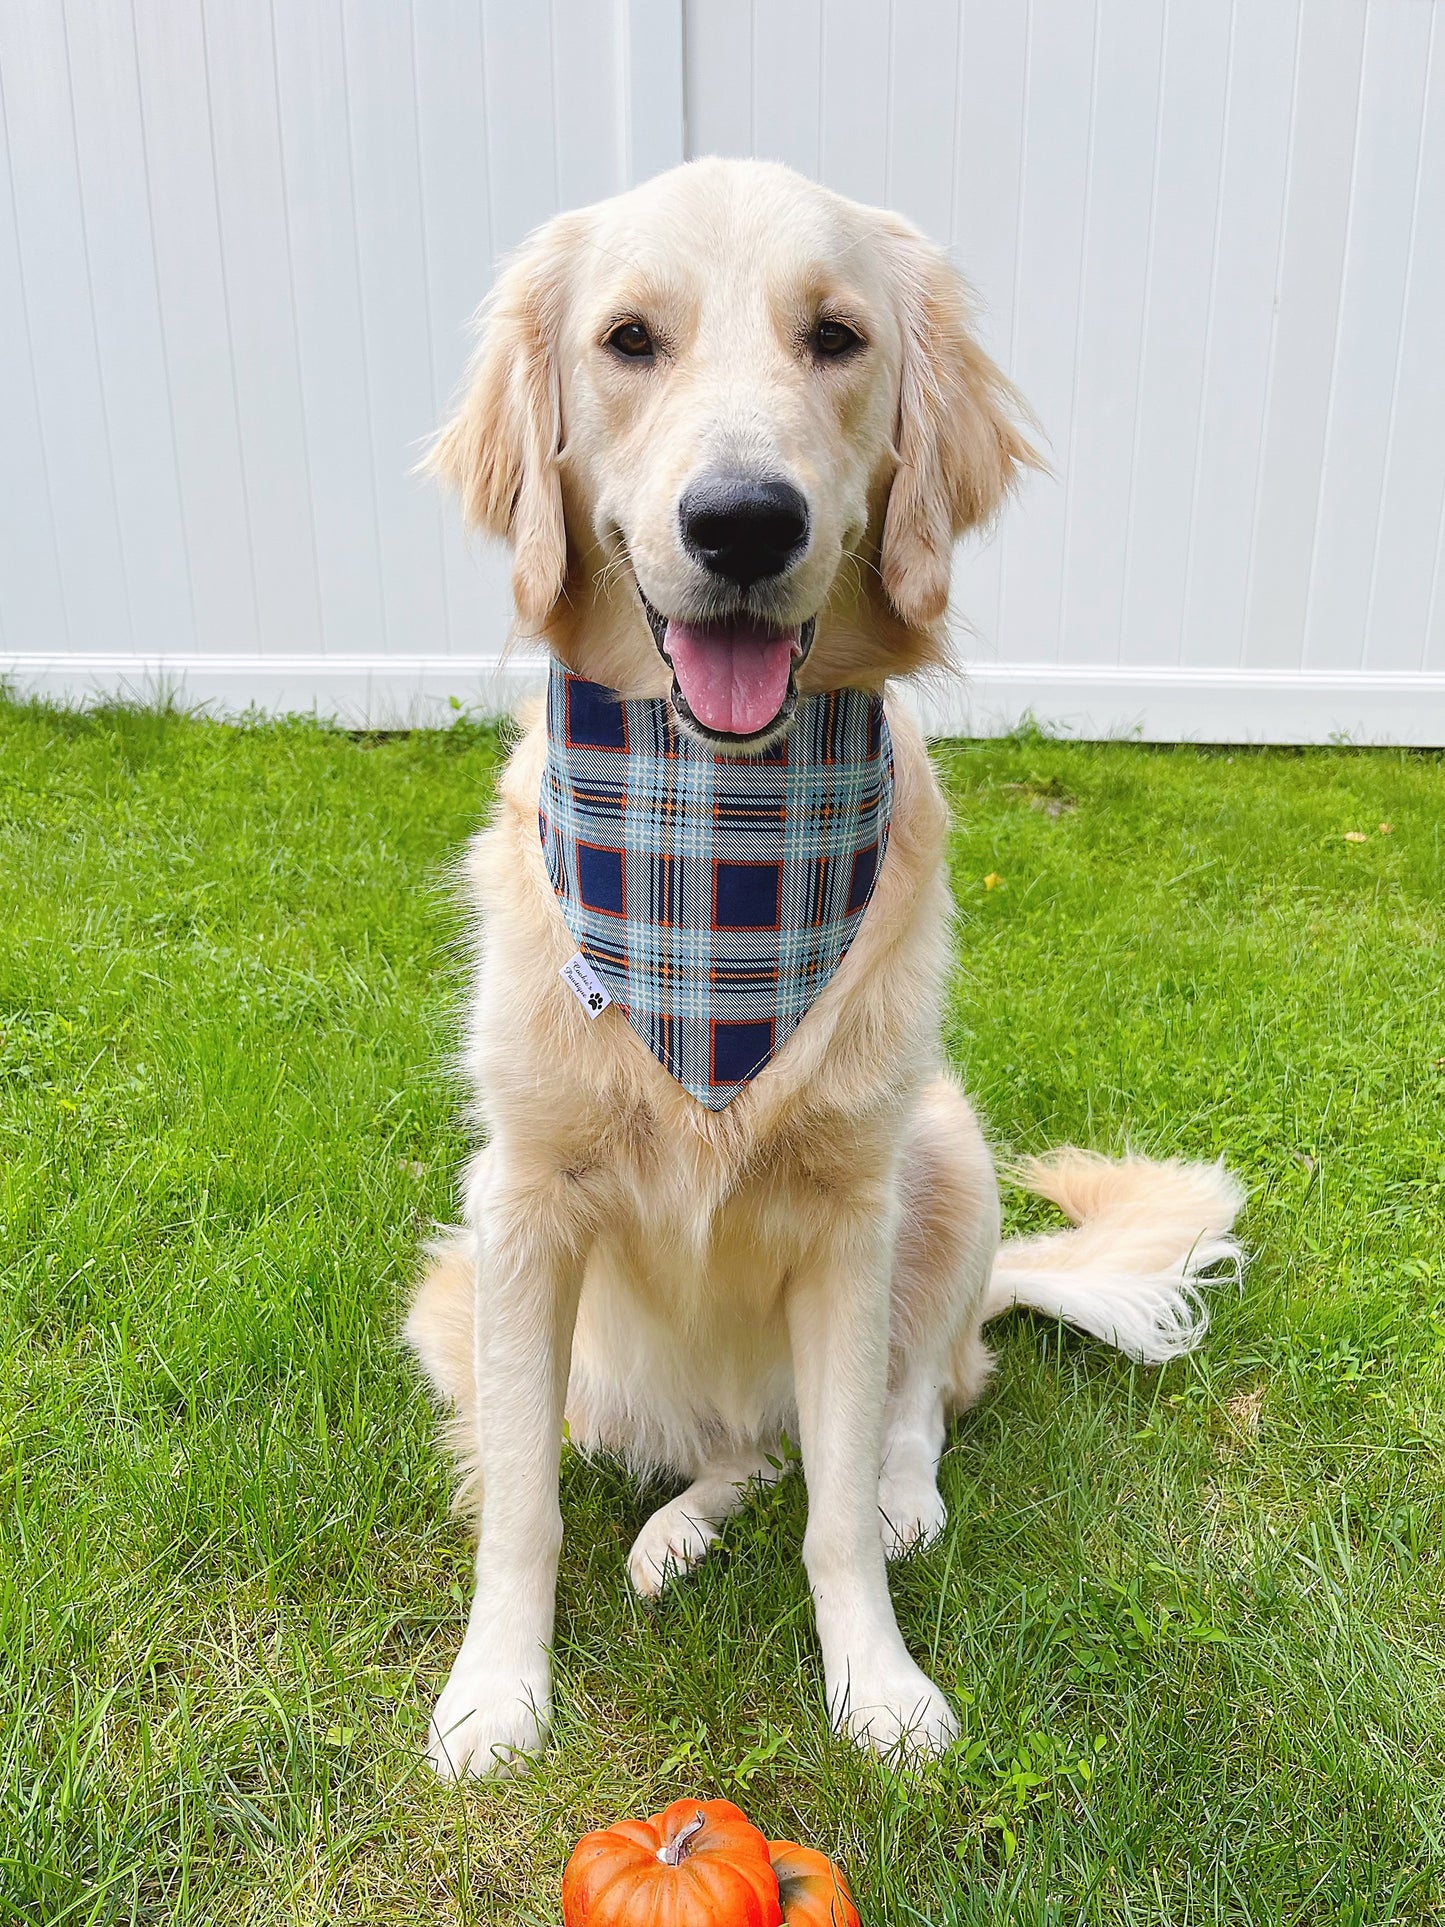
(731, 425)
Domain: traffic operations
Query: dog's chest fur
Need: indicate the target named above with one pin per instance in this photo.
(590, 1110)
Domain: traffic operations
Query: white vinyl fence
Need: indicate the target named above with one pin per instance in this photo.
(239, 240)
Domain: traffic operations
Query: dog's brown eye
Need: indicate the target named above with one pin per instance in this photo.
(834, 338)
(631, 339)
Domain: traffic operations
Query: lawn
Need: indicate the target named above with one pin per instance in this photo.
(1194, 1618)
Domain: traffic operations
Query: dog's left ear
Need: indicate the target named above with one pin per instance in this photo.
(959, 448)
(500, 449)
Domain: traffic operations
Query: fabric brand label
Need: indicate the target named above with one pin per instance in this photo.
(585, 985)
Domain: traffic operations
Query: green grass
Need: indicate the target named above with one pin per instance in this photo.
(1194, 1618)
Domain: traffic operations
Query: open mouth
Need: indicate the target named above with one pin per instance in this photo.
(733, 680)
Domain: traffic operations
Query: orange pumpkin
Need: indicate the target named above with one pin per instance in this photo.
(812, 1890)
(699, 1863)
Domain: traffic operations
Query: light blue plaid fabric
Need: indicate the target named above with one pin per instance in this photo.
(714, 896)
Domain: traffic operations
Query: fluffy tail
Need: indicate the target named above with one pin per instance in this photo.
(1130, 1272)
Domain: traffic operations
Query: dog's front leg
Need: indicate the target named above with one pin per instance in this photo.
(838, 1313)
(530, 1257)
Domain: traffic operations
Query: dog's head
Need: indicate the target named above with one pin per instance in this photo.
(732, 425)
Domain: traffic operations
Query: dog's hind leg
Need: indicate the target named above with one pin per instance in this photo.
(440, 1329)
(911, 1511)
(947, 1238)
(679, 1534)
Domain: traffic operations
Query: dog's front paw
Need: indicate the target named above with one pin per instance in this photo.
(894, 1708)
(486, 1721)
(911, 1512)
(670, 1543)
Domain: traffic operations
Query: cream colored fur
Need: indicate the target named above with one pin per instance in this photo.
(819, 1257)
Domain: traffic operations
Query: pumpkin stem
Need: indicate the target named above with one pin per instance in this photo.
(675, 1852)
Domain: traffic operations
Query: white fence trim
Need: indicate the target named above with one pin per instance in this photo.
(1152, 705)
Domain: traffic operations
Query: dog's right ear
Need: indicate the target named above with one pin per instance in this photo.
(500, 450)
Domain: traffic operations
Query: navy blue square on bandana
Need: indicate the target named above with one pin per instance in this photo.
(602, 879)
(739, 1049)
(746, 896)
(860, 884)
(596, 719)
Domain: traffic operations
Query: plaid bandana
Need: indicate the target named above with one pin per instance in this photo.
(713, 895)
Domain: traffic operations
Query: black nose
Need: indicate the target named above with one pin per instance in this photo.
(742, 528)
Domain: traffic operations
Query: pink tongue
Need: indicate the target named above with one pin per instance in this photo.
(735, 679)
